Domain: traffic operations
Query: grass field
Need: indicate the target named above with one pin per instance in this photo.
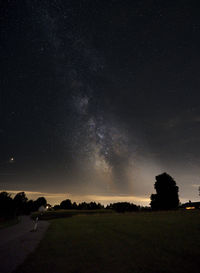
(139, 242)
(54, 214)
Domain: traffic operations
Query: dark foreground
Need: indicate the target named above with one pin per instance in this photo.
(138, 242)
(17, 241)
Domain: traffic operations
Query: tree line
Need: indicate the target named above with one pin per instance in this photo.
(165, 198)
(119, 206)
(19, 205)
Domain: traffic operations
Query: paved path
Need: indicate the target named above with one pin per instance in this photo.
(17, 241)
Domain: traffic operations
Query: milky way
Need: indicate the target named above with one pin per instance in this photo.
(99, 96)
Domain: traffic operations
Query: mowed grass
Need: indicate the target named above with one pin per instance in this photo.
(137, 242)
(54, 214)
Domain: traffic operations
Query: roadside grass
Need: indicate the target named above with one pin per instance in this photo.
(54, 214)
(149, 242)
(8, 223)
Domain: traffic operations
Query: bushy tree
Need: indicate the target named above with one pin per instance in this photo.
(89, 206)
(74, 205)
(123, 207)
(94, 205)
(41, 201)
(20, 201)
(66, 204)
(166, 196)
(7, 208)
(56, 207)
(83, 205)
(29, 207)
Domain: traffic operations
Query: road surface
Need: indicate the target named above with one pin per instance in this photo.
(17, 241)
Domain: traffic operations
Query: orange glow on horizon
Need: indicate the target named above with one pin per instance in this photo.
(56, 198)
(190, 208)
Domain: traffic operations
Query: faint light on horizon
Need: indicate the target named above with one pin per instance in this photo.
(56, 198)
(11, 160)
(190, 208)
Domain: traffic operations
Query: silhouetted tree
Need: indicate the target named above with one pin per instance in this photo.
(166, 196)
(82, 205)
(20, 201)
(56, 207)
(94, 205)
(74, 205)
(89, 206)
(29, 207)
(66, 204)
(123, 207)
(41, 201)
(7, 208)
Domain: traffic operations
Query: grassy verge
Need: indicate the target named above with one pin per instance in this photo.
(9, 223)
(48, 215)
(154, 242)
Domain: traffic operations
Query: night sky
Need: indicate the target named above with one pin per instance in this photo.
(98, 97)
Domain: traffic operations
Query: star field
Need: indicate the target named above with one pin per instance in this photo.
(98, 97)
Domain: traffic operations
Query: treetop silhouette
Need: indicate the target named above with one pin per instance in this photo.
(166, 196)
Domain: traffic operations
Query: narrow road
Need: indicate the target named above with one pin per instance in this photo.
(17, 241)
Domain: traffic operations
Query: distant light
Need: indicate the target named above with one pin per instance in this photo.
(190, 207)
(11, 160)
